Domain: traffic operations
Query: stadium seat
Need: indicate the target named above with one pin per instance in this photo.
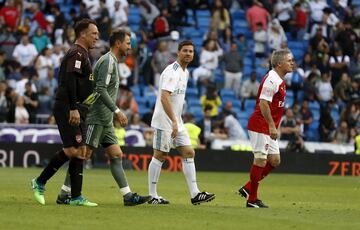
(238, 15)
(250, 104)
(193, 103)
(192, 92)
(135, 89)
(227, 93)
(141, 101)
(314, 105)
(203, 14)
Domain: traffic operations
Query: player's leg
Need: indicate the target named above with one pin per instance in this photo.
(68, 136)
(273, 161)
(260, 145)
(161, 147)
(182, 141)
(113, 151)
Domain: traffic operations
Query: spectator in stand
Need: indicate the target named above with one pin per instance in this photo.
(327, 126)
(307, 64)
(11, 97)
(306, 116)
(209, 61)
(211, 98)
(338, 10)
(353, 16)
(173, 43)
(2, 66)
(226, 39)
(8, 40)
(161, 24)
(3, 102)
(60, 24)
(299, 22)
(104, 21)
(352, 115)
(205, 125)
(241, 44)
(309, 88)
(44, 62)
(249, 89)
(233, 69)
(148, 12)
(31, 102)
(347, 38)
(38, 18)
(339, 64)
(257, 13)
(228, 107)
(283, 11)
(324, 89)
(276, 36)
(220, 17)
(83, 12)
(25, 52)
(342, 91)
(41, 40)
(296, 80)
(290, 131)
(354, 68)
(193, 130)
(136, 123)
(10, 15)
(260, 39)
(177, 13)
(330, 20)
(126, 101)
(232, 127)
(49, 82)
(342, 134)
(355, 92)
(56, 56)
(21, 114)
(45, 102)
(320, 50)
(161, 58)
(316, 9)
(119, 15)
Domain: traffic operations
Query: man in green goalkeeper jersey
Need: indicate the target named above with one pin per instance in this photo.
(99, 120)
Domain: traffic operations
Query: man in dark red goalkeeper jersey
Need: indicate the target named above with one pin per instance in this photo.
(264, 122)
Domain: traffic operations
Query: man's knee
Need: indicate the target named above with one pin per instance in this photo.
(188, 153)
(275, 161)
(260, 160)
(159, 155)
(73, 152)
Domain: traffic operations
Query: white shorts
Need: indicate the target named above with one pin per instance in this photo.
(263, 145)
(163, 142)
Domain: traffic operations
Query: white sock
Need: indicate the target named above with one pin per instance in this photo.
(125, 190)
(153, 176)
(189, 171)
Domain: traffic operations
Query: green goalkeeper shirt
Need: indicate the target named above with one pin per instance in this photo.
(106, 80)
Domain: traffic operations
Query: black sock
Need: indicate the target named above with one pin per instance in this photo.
(76, 176)
(55, 163)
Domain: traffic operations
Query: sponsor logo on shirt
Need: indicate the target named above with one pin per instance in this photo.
(281, 104)
(77, 64)
(91, 77)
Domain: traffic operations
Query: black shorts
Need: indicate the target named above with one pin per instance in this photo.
(71, 136)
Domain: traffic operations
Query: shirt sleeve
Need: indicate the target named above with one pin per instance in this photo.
(170, 80)
(270, 87)
(104, 74)
(75, 63)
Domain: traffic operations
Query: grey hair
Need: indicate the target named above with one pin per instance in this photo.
(278, 56)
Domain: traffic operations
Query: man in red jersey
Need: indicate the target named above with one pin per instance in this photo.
(264, 122)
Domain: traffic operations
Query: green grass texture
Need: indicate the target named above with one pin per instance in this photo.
(296, 202)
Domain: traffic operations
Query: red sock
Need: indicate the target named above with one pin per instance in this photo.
(255, 177)
(265, 172)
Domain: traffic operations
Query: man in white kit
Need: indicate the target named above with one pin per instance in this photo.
(169, 129)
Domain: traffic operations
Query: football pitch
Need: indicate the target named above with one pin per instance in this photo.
(296, 202)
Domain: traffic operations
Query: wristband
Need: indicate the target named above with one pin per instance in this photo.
(117, 110)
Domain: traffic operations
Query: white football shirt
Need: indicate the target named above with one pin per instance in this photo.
(173, 79)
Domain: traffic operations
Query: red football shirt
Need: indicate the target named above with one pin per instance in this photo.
(272, 89)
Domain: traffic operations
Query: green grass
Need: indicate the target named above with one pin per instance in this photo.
(296, 202)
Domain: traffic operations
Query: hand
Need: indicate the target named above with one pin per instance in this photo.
(122, 119)
(175, 130)
(74, 118)
(273, 132)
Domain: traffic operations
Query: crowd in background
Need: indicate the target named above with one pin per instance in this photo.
(35, 35)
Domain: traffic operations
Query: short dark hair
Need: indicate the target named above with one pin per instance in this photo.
(185, 43)
(82, 25)
(118, 35)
